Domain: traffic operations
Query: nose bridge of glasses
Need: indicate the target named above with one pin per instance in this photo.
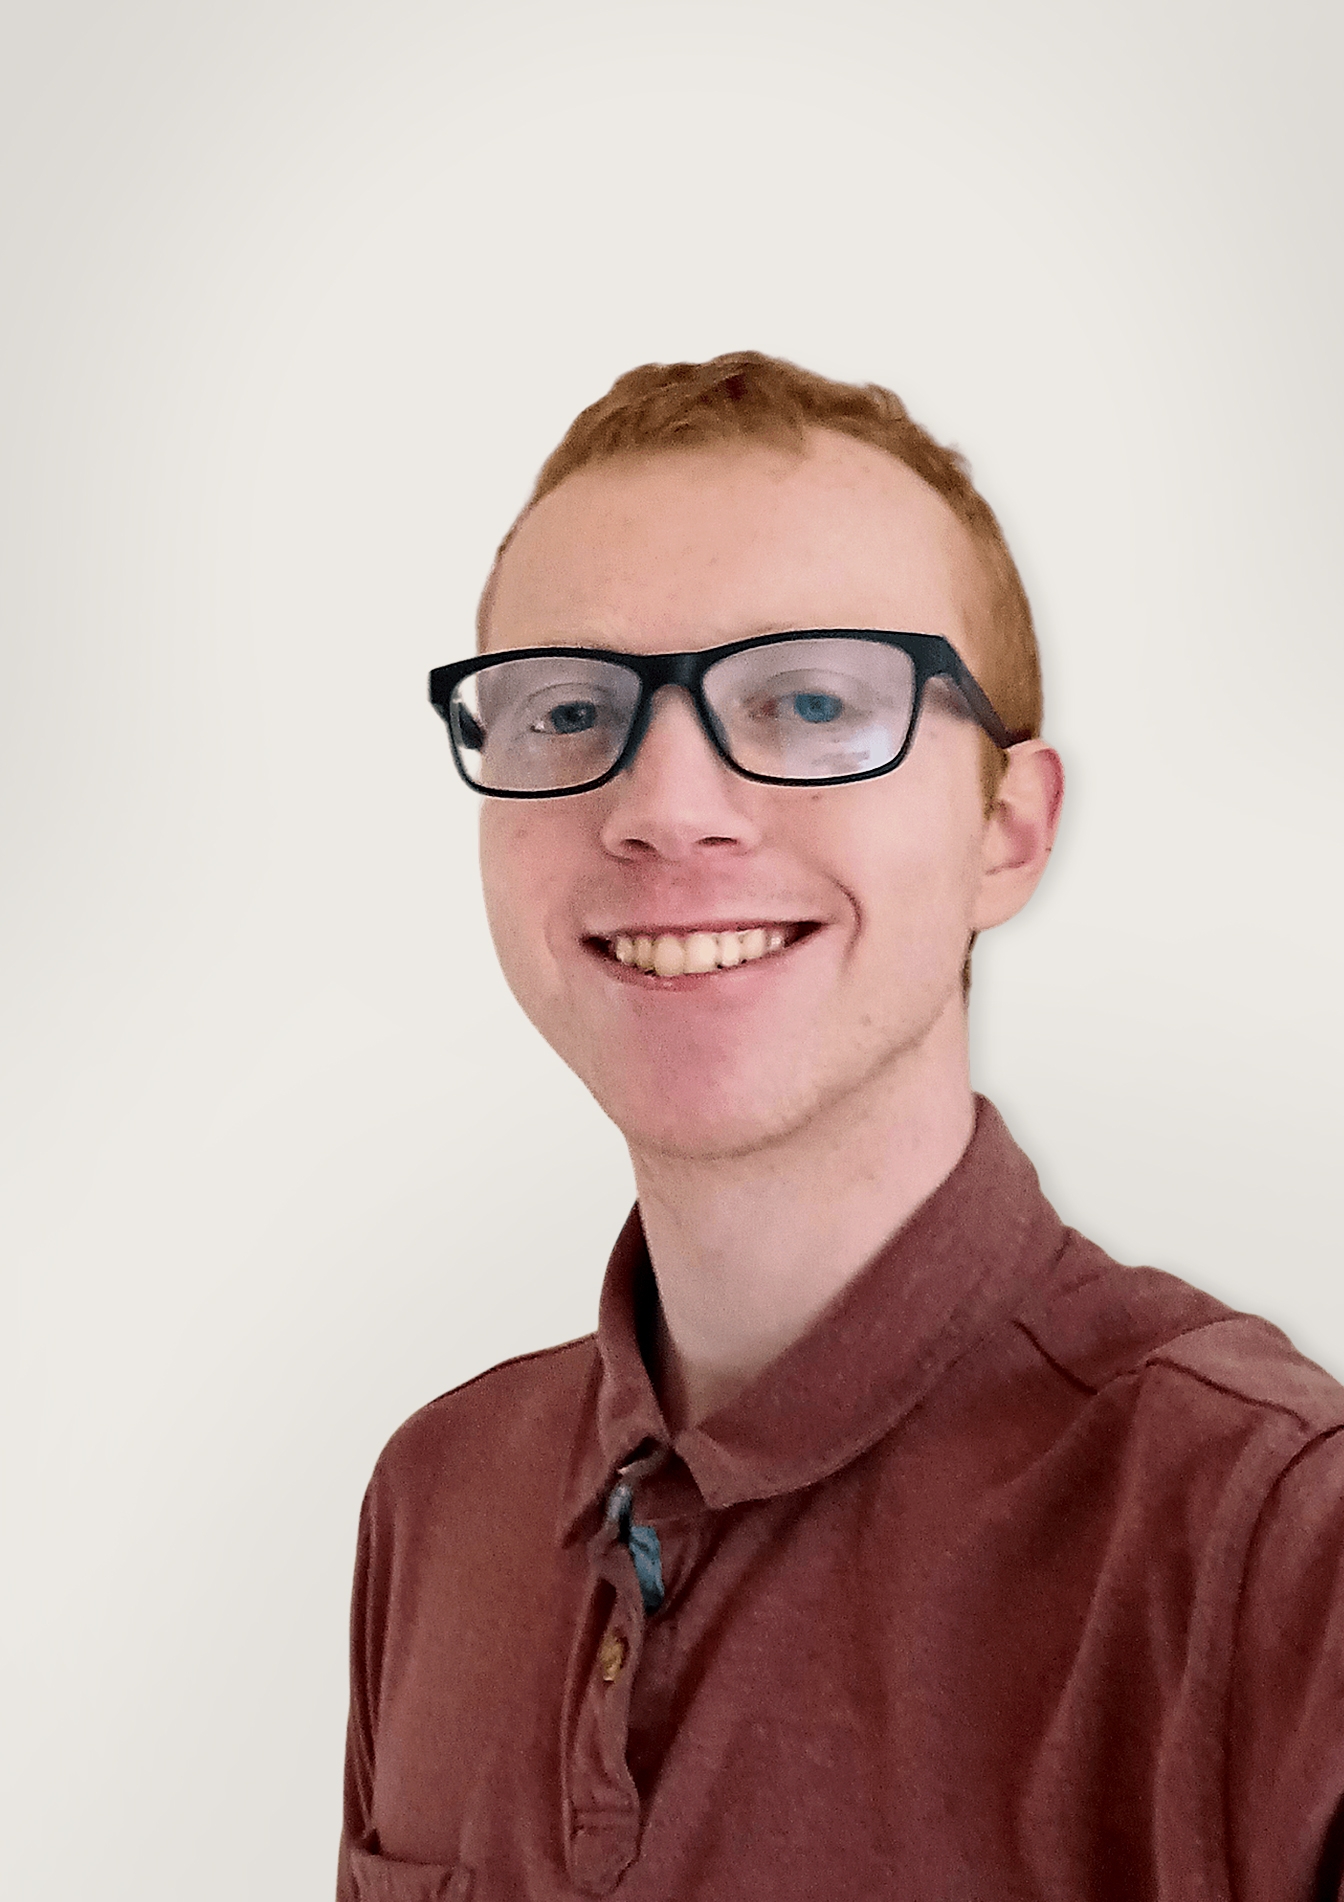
(672, 684)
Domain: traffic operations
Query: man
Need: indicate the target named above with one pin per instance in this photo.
(887, 1539)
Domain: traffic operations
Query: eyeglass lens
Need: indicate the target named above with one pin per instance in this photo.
(809, 709)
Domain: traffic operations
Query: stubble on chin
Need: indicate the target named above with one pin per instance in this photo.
(803, 1108)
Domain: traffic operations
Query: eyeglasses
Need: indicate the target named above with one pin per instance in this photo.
(815, 708)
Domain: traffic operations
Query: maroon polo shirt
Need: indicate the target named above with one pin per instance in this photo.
(1018, 1576)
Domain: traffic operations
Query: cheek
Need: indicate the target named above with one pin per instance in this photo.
(919, 897)
(914, 881)
(519, 873)
(494, 856)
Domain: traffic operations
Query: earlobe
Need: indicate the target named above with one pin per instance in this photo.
(1019, 832)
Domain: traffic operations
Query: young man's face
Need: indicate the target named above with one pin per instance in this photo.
(690, 549)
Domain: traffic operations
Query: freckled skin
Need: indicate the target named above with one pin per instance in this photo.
(686, 550)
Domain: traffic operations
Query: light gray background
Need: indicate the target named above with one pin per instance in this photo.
(297, 297)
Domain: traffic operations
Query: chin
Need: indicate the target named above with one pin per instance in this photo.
(675, 1114)
(685, 1111)
(696, 1126)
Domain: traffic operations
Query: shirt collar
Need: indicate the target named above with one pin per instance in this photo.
(963, 1260)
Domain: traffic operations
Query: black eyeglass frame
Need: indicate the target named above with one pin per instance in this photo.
(934, 658)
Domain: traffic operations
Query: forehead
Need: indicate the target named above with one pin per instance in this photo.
(688, 548)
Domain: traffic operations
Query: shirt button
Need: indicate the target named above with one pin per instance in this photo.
(611, 1657)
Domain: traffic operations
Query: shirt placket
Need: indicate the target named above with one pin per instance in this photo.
(601, 1803)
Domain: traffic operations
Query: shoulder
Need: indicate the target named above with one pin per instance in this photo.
(506, 1424)
(1103, 1324)
(1197, 1411)
(1204, 1455)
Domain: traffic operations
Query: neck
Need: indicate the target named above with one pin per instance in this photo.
(748, 1250)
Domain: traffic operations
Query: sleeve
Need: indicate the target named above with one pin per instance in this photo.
(1285, 1743)
(365, 1665)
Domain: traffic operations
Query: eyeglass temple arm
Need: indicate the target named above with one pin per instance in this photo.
(978, 701)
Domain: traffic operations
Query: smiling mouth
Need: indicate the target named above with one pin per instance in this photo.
(696, 953)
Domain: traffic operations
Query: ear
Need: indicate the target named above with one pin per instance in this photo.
(1019, 832)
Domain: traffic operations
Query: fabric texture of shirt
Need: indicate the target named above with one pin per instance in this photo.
(1017, 1576)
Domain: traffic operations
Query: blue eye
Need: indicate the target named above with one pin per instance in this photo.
(817, 708)
(572, 716)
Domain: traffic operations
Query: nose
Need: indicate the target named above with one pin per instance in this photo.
(677, 798)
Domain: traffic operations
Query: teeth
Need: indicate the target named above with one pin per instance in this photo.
(669, 956)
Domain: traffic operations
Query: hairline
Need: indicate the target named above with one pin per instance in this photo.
(795, 440)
